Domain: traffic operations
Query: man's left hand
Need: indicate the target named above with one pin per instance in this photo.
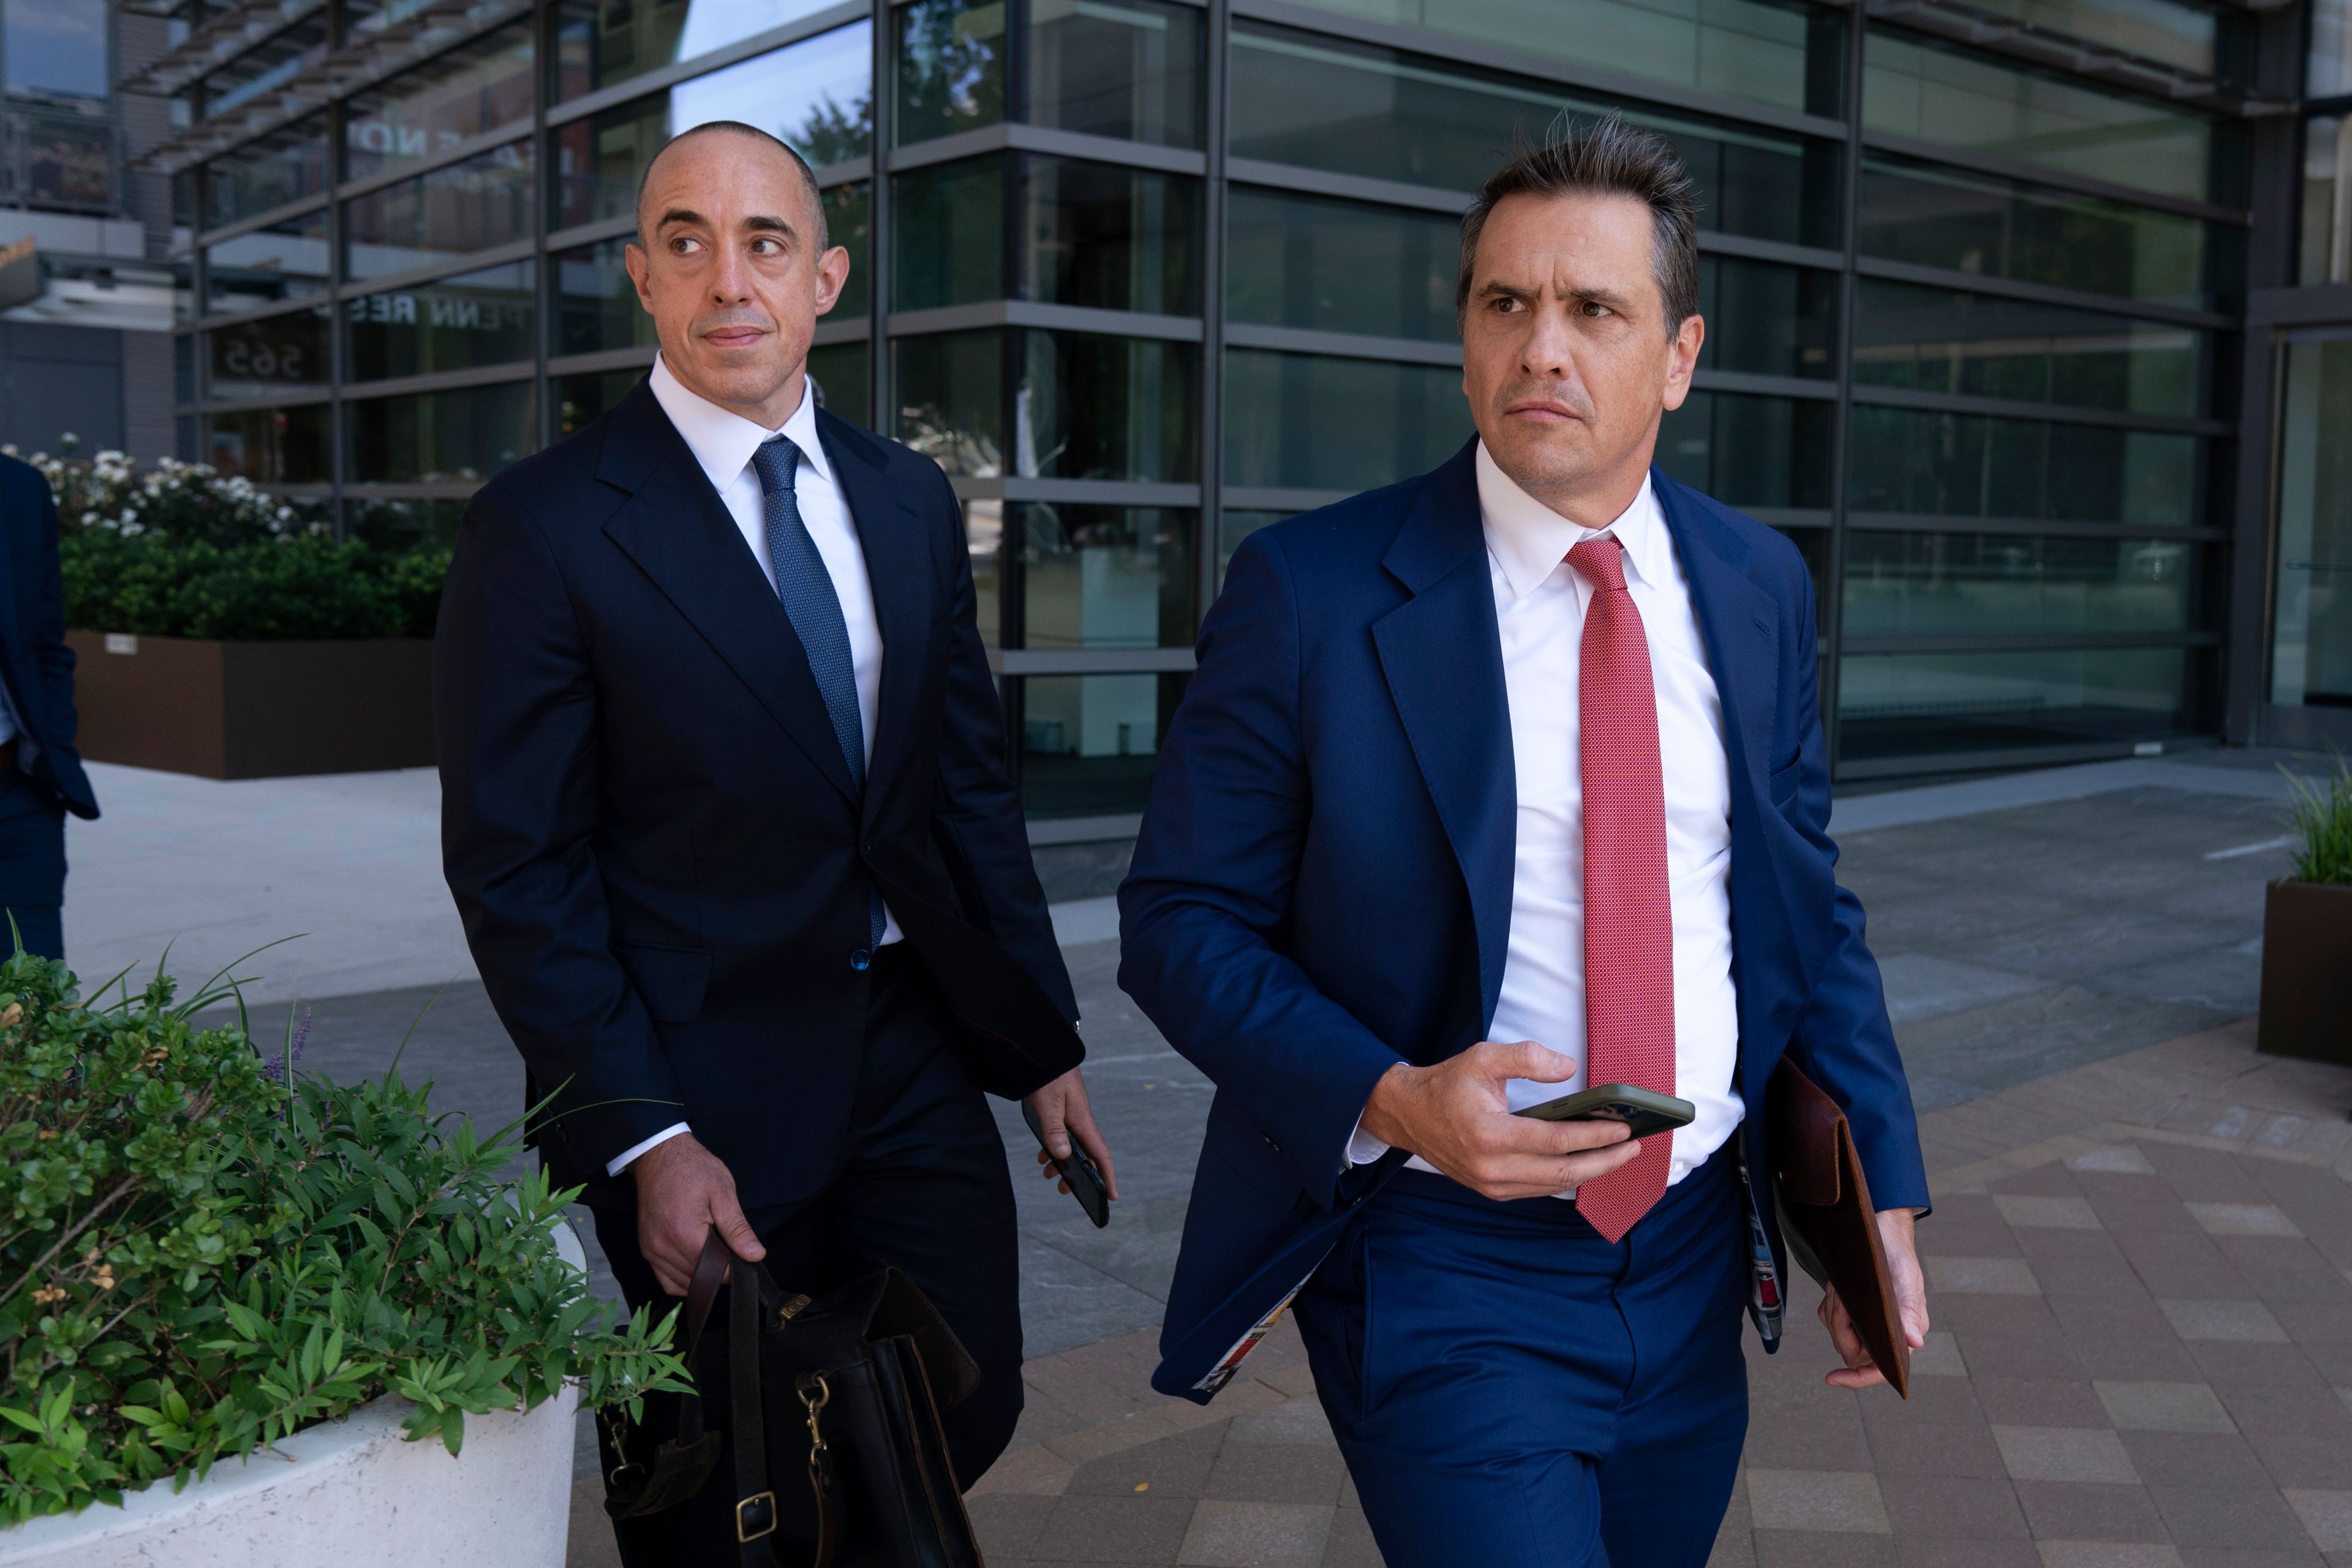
(1910, 1300)
(1063, 1112)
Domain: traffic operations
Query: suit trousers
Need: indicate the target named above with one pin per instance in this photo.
(1511, 1389)
(32, 865)
(922, 1187)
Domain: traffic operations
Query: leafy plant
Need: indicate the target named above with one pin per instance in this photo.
(2322, 819)
(200, 1255)
(299, 585)
(188, 500)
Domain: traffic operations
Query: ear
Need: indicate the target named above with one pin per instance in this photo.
(640, 267)
(1682, 359)
(832, 278)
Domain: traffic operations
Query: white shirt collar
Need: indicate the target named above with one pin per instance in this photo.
(1529, 541)
(722, 441)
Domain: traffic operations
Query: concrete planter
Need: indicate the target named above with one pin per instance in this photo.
(254, 710)
(354, 1493)
(2307, 971)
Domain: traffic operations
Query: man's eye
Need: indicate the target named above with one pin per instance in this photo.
(1595, 308)
(684, 247)
(765, 247)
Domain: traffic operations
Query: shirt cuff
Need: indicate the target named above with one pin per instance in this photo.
(1362, 1147)
(614, 1166)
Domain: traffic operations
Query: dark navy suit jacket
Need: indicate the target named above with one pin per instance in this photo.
(653, 837)
(33, 658)
(1323, 884)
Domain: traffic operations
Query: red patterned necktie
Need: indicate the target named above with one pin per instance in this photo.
(1629, 926)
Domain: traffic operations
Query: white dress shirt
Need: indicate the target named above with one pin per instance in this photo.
(722, 442)
(1539, 606)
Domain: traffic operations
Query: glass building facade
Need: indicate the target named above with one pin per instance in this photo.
(2027, 320)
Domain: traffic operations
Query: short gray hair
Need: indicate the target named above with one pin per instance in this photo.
(1607, 159)
(808, 176)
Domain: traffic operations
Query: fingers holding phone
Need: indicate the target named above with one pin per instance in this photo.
(1071, 1148)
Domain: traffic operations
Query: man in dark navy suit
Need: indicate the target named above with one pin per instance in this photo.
(41, 778)
(726, 813)
(1491, 786)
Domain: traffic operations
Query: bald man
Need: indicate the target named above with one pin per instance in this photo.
(726, 812)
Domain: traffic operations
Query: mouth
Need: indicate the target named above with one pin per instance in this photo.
(1541, 411)
(733, 337)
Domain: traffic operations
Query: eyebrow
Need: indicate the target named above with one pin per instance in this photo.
(1497, 291)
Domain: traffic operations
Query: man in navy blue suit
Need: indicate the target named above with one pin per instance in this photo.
(41, 778)
(1492, 784)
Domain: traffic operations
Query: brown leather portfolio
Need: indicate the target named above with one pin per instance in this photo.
(1826, 1216)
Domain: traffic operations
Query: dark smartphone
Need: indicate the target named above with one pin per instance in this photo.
(1645, 1110)
(1085, 1181)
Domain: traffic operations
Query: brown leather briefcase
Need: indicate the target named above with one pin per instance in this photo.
(1826, 1216)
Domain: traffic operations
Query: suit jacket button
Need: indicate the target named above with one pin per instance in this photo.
(861, 959)
(1270, 1143)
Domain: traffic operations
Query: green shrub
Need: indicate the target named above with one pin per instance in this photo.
(297, 585)
(189, 500)
(2322, 815)
(201, 1254)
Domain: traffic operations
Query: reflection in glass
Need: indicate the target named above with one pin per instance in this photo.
(1130, 68)
(1092, 406)
(596, 304)
(468, 434)
(55, 48)
(1089, 742)
(59, 157)
(950, 246)
(1981, 704)
(849, 223)
(441, 216)
(950, 66)
(1766, 319)
(1912, 87)
(256, 357)
(1108, 237)
(402, 525)
(288, 260)
(839, 370)
(271, 445)
(1964, 465)
(1771, 453)
(983, 533)
(2329, 72)
(1934, 584)
(2183, 35)
(243, 87)
(1938, 340)
(451, 323)
(2003, 228)
(1358, 109)
(1106, 576)
(815, 95)
(1330, 265)
(579, 399)
(2327, 200)
(1743, 49)
(1322, 422)
(946, 396)
(283, 166)
(2311, 660)
(466, 93)
(600, 42)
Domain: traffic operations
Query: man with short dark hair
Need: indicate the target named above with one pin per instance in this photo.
(726, 813)
(1477, 781)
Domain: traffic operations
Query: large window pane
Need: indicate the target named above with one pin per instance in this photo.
(272, 445)
(1951, 705)
(250, 77)
(55, 48)
(596, 304)
(1317, 423)
(59, 157)
(2182, 35)
(949, 247)
(1938, 340)
(441, 216)
(1089, 742)
(1969, 223)
(468, 434)
(1099, 408)
(1936, 585)
(947, 397)
(983, 533)
(288, 260)
(1771, 453)
(2330, 70)
(1108, 237)
(452, 323)
(1330, 265)
(2327, 200)
(1956, 465)
(284, 166)
(581, 399)
(840, 372)
(1767, 53)
(466, 93)
(601, 42)
(816, 95)
(1106, 576)
(1117, 68)
(1302, 99)
(257, 358)
(950, 66)
(1913, 87)
(1766, 319)
(849, 223)
(2312, 658)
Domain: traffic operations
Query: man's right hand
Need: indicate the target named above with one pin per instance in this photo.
(683, 1189)
(1457, 1116)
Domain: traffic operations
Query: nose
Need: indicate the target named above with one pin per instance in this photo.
(1545, 351)
(730, 279)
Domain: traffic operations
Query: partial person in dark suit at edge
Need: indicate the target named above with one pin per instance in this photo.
(714, 718)
(41, 777)
(1491, 784)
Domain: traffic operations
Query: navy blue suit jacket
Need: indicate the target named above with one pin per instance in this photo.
(653, 837)
(33, 658)
(1323, 884)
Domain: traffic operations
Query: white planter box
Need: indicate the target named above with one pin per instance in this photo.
(354, 1493)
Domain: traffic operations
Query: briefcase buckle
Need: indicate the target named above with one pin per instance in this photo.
(755, 1516)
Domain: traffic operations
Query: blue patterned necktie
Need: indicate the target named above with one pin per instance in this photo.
(814, 609)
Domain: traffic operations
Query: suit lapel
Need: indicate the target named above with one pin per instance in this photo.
(679, 533)
(898, 567)
(1443, 660)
